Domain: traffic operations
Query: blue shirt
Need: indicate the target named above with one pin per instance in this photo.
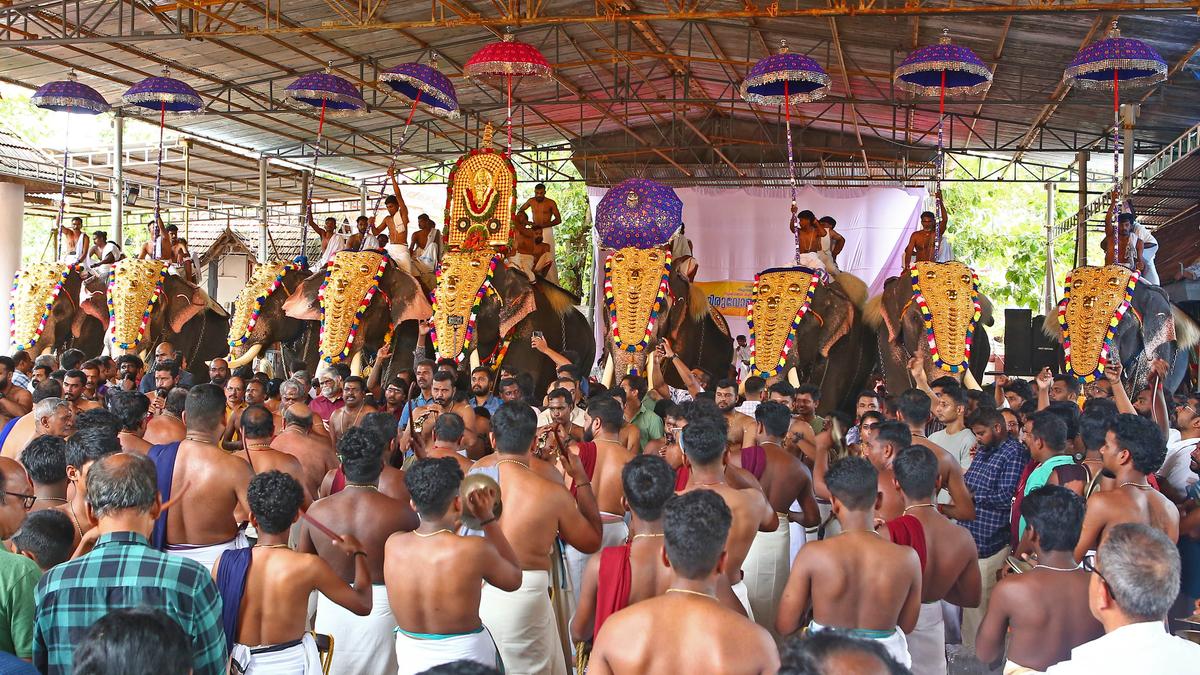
(492, 403)
(992, 480)
(418, 402)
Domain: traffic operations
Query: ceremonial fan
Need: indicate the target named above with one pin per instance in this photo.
(335, 96)
(507, 59)
(164, 94)
(72, 97)
(942, 69)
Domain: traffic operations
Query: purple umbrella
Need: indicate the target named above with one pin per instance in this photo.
(638, 212)
(425, 85)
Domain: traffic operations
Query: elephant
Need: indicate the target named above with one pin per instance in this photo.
(831, 347)
(494, 327)
(361, 300)
(259, 322)
(1150, 327)
(956, 338)
(147, 306)
(657, 299)
(46, 308)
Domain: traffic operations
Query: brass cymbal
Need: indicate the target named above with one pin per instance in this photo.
(471, 483)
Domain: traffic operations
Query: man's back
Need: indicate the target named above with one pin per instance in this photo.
(216, 490)
(611, 457)
(750, 512)
(949, 554)
(368, 515)
(275, 602)
(1128, 503)
(434, 581)
(263, 459)
(858, 580)
(164, 429)
(785, 479)
(1047, 614)
(123, 571)
(22, 432)
(703, 636)
(533, 510)
(314, 452)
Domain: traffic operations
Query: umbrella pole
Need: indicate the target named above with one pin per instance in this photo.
(62, 194)
(1115, 245)
(403, 141)
(939, 168)
(787, 122)
(508, 122)
(311, 183)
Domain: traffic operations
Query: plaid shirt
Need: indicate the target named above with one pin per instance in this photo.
(123, 571)
(992, 480)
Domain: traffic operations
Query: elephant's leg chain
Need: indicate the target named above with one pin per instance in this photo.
(196, 350)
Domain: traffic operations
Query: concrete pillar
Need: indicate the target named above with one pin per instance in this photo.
(263, 255)
(118, 193)
(12, 218)
(1081, 163)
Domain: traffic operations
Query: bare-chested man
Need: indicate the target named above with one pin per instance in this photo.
(448, 433)
(391, 481)
(785, 481)
(258, 429)
(435, 577)
(74, 387)
(949, 560)
(544, 212)
(1134, 448)
(537, 511)
(807, 230)
(1042, 614)
(209, 483)
(325, 232)
(235, 403)
(19, 432)
(922, 245)
(14, 401)
(705, 451)
(354, 393)
(45, 461)
(364, 643)
(533, 256)
(913, 407)
(743, 430)
(130, 408)
(857, 581)
(703, 635)
(271, 583)
(83, 448)
(888, 440)
(394, 203)
(167, 425)
(441, 399)
(648, 483)
(297, 439)
(603, 455)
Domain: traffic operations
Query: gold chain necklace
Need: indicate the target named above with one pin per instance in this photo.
(914, 506)
(423, 535)
(271, 546)
(648, 536)
(365, 486)
(512, 461)
(1140, 486)
(684, 590)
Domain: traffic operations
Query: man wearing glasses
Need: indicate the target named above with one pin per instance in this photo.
(1175, 475)
(18, 575)
(1135, 578)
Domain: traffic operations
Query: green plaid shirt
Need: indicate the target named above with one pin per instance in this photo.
(123, 571)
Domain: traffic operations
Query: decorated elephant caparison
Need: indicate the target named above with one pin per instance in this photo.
(258, 321)
(360, 300)
(656, 300)
(1148, 325)
(806, 328)
(52, 310)
(147, 306)
(487, 311)
(943, 321)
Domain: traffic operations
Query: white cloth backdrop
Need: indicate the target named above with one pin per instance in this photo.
(739, 232)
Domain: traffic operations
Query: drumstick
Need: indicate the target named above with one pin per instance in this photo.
(175, 498)
(317, 524)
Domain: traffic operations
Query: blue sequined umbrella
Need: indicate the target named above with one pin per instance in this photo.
(638, 212)
(72, 97)
(424, 85)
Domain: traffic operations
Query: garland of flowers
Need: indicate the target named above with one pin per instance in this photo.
(258, 303)
(41, 327)
(488, 211)
(664, 287)
(358, 313)
(1109, 334)
(496, 358)
(776, 369)
(112, 310)
(927, 317)
(484, 289)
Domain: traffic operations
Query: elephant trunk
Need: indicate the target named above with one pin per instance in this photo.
(247, 357)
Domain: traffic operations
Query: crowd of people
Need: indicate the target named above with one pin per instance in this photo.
(447, 522)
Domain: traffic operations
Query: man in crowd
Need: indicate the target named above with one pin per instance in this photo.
(18, 574)
(75, 390)
(448, 432)
(1175, 475)
(442, 399)
(131, 409)
(481, 389)
(22, 369)
(950, 409)
(913, 408)
(166, 426)
(165, 351)
(754, 391)
(330, 399)
(83, 449)
(45, 460)
(122, 571)
(742, 428)
(258, 428)
(298, 439)
(423, 375)
(705, 637)
(354, 395)
(15, 400)
(544, 213)
(649, 425)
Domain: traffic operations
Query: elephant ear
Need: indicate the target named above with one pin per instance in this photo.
(896, 294)
(185, 302)
(839, 314)
(302, 303)
(408, 299)
(517, 295)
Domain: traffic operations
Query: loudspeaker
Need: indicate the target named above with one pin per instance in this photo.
(1047, 352)
(1018, 345)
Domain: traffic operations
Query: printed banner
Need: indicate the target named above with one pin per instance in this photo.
(728, 297)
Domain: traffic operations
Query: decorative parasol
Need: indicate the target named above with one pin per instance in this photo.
(1112, 63)
(942, 69)
(72, 97)
(164, 94)
(505, 59)
(638, 212)
(783, 79)
(335, 96)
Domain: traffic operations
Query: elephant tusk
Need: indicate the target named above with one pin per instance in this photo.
(474, 359)
(792, 378)
(606, 378)
(248, 357)
(651, 362)
(356, 363)
(969, 381)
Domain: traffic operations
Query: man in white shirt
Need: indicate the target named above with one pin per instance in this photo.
(950, 409)
(1149, 250)
(1135, 578)
(1175, 475)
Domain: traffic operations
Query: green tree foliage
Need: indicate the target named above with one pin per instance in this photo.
(573, 238)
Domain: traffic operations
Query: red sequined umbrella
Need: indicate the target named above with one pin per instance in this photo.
(504, 60)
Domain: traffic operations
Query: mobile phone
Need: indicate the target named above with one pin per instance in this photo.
(539, 334)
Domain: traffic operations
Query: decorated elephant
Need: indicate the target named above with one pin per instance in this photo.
(938, 312)
(486, 312)
(46, 310)
(259, 322)
(1109, 314)
(656, 299)
(147, 306)
(361, 301)
(808, 328)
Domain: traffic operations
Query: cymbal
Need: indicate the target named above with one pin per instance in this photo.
(471, 483)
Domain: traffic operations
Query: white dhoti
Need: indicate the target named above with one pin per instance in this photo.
(815, 261)
(765, 572)
(208, 555)
(293, 658)
(362, 644)
(892, 640)
(1011, 668)
(418, 652)
(522, 624)
(614, 533)
(927, 642)
(743, 595)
